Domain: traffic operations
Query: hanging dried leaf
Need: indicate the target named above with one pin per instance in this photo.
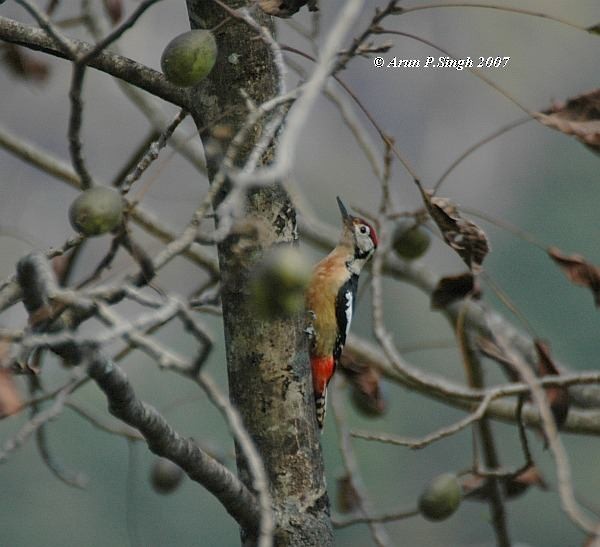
(454, 287)
(24, 65)
(490, 349)
(558, 396)
(464, 236)
(591, 541)
(60, 266)
(348, 499)
(515, 486)
(114, 10)
(286, 8)
(10, 400)
(138, 253)
(579, 271)
(50, 7)
(579, 116)
(478, 488)
(365, 381)
(475, 487)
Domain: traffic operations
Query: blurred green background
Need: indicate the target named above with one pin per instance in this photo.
(533, 177)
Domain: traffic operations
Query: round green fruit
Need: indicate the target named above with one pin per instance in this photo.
(189, 57)
(165, 476)
(441, 497)
(278, 286)
(96, 211)
(411, 240)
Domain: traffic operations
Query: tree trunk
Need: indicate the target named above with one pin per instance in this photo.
(269, 377)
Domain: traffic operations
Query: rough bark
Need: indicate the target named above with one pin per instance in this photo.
(269, 378)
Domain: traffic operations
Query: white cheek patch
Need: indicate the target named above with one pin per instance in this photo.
(349, 308)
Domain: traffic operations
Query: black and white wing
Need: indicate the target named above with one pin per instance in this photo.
(344, 310)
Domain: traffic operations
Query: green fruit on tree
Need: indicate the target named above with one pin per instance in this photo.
(441, 497)
(189, 57)
(96, 211)
(410, 240)
(278, 286)
(165, 476)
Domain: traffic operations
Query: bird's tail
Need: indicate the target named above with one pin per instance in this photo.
(322, 371)
(321, 404)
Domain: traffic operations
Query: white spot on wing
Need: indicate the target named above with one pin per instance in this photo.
(348, 297)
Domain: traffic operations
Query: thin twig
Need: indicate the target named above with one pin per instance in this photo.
(384, 137)
(378, 532)
(475, 379)
(298, 115)
(164, 441)
(442, 433)
(476, 146)
(561, 460)
(253, 458)
(152, 152)
(69, 477)
(32, 425)
(130, 71)
(350, 520)
(79, 66)
(508, 9)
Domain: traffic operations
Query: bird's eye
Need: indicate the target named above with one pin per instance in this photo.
(363, 229)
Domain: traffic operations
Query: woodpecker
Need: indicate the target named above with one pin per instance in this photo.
(331, 299)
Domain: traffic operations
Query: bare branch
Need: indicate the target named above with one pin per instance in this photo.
(563, 468)
(378, 532)
(442, 433)
(399, 514)
(116, 65)
(298, 114)
(152, 152)
(255, 463)
(164, 441)
(32, 425)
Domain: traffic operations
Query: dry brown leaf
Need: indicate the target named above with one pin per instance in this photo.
(474, 487)
(464, 236)
(60, 267)
(478, 488)
(10, 400)
(454, 287)
(515, 486)
(579, 116)
(490, 349)
(578, 270)
(286, 8)
(365, 380)
(592, 541)
(114, 10)
(348, 499)
(23, 64)
(558, 396)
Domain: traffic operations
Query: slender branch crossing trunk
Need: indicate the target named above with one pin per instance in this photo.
(269, 378)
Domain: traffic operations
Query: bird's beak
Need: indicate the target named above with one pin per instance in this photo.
(345, 215)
